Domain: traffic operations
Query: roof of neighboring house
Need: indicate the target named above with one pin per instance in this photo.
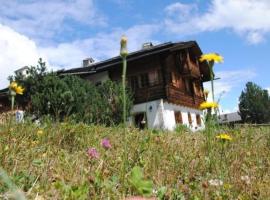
(4, 92)
(156, 49)
(229, 117)
(20, 69)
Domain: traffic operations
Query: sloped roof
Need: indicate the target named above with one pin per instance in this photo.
(229, 117)
(165, 47)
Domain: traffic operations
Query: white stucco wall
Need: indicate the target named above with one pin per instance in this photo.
(153, 111)
(160, 115)
(170, 118)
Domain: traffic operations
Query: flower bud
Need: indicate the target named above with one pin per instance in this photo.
(123, 50)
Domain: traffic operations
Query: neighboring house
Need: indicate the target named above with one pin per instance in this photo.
(4, 100)
(230, 118)
(4, 93)
(166, 80)
(24, 71)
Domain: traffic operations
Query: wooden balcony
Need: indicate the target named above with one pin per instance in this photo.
(174, 95)
(194, 70)
(149, 93)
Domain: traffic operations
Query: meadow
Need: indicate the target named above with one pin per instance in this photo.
(78, 161)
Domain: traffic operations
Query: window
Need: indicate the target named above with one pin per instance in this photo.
(189, 86)
(178, 117)
(198, 120)
(197, 89)
(153, 77)
(133, 81)
(144, 80)
(189, 119)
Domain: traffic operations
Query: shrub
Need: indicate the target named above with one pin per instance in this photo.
(72, 97)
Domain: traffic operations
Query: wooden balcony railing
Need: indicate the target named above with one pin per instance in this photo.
(174, 95)
(149, 93)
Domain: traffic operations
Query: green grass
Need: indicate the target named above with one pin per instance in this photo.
(55, 164)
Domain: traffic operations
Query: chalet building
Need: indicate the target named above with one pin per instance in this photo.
(166, 81)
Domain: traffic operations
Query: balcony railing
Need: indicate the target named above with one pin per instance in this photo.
(174, 95)
(149, 93)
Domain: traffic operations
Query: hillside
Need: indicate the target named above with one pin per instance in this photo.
(55, 161)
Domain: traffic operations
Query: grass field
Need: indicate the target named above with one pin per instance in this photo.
(53, 162)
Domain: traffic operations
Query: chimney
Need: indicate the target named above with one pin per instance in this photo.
(147, 45)
(88, 61)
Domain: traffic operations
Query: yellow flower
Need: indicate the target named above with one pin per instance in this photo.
(39, 132)
(13, 85)
(211, 57)
(19, 90)
(205, 105)
(224, 136)
(16, 88)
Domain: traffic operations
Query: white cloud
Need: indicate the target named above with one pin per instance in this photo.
(248, 18)
(43, 20)
(228, 81)
(16, 51)
(180, 9)
(268, 90)
(100, 47)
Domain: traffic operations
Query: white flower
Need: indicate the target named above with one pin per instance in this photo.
(246, 179)
(215, 182)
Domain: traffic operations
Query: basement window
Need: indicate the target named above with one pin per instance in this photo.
(189, 119)
(198, 120)
(178, 117)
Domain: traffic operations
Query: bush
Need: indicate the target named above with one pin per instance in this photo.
(72, 97)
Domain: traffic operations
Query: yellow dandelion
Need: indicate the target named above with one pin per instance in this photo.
(206, 105)
(13, 85)
(215, 57)
(19, 90)
(39, 132)
(16, 88)
(224, 136)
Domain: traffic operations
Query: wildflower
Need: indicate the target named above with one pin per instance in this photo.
(14, 87)
(215, 182)
(123, 50)
(206, 105)
(211, 57)
(39, 132)
(92, 153)
(246, 179)
(224, 137)
(206, 92)
(106, 143)
(19, 90)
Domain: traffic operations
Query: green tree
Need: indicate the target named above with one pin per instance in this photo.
(254, 104)
(47, 93)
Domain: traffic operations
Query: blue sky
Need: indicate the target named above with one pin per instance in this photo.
(64, 32)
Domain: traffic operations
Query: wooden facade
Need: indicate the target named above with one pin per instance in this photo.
(171, 71)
